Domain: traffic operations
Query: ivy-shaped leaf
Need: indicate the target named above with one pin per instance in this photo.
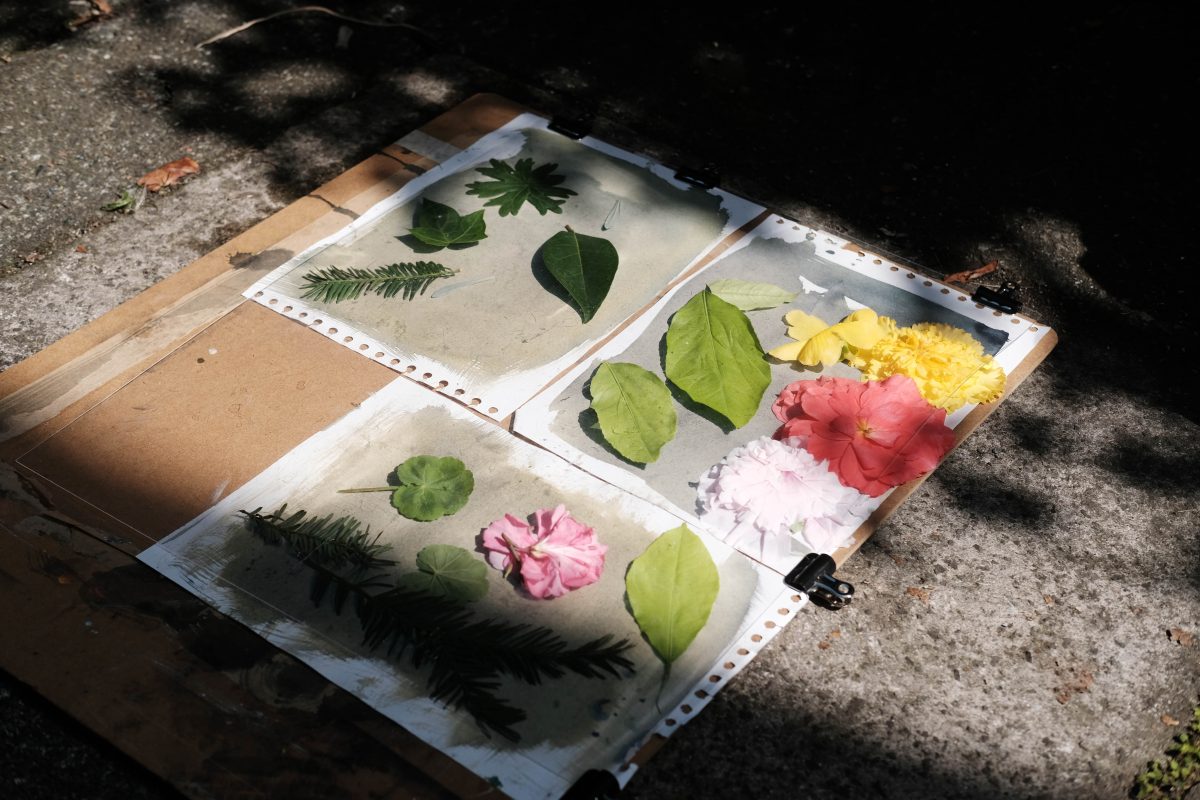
(584, 265)
(440, 225)
(634, 408)
(749, 296)
(714, 355)
(431, 487)
(671, 588)
(448, 571)
(511, 187)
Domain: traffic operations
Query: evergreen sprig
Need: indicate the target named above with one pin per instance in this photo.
(466, 655)
(335, 284)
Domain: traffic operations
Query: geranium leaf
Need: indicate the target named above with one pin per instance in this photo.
(448, 571)
(671, 588)
(431, 487)
(584, 265)
(634, 408)
(749, 296)
(439, 225)
(714, 355)
(511, 187)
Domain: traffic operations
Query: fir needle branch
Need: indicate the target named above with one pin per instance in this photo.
(335, 284)
(320, 541)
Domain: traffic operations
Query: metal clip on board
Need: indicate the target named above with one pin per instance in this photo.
(1003, 299)
(814, 576)
(706, 177)
(573, 126)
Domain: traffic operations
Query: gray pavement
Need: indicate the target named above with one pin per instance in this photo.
(1010, 636)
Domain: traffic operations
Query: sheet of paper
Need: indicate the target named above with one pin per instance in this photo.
(831, 278)
(500, 328)
(574, 724)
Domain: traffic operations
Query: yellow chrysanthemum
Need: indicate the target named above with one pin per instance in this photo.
(817, 342)
(947, 364)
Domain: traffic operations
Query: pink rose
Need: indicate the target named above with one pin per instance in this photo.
(556, 554)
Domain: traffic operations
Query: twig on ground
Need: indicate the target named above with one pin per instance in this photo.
(304, 9)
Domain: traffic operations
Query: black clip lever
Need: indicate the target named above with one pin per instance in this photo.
(814, 576)
(1003, 299)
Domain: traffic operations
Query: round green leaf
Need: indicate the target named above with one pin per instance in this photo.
(448, 571)
(431, 487)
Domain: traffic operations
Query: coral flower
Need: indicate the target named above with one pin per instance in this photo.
(947, 364)
(819, 343)
(556, 554)
(874, 435)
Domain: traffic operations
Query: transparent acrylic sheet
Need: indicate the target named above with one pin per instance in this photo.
(574, 724)
(833, 277)
(499, 330)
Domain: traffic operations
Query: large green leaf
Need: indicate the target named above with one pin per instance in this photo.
(634, 408)
(440, 225)
(431, 487)
(584, 265)
(448, 571)
(714, 356)
(511, 187)
(749, 296)
(671, 588)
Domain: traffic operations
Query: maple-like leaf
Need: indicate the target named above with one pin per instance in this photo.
(511, 187)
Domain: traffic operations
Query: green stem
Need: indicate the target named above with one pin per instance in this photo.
(373, 489)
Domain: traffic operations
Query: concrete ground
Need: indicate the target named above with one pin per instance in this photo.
(1010, 635)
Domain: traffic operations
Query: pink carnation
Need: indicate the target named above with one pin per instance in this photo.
(556, 554)
(874, 435)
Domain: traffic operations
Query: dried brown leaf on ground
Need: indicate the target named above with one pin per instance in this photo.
(96, 11)
(1078, 681)
(973, 274)
(1167, 719)
(169, 174)
(919, 593)
(1180, 636)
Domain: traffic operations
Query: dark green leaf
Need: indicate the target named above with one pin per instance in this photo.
(335, 284)
(440, 225)
(671, 588)
(432, 487)
(511, 187)
(634, 408)
(714, 355)
(584, 265)
(450, 572)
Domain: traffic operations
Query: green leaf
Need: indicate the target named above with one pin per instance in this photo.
(714, 356)
(511, 187)
(749, 296)
(333, 285)
(634, 408)
(448, 571)
(584, 265)
(671, 588)
(124, 203)
(440, 225)
(432, 487)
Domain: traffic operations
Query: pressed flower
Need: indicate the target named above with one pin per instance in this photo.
(769, 488)
(554, 555)
(820, 343)
(874, 435)
(947, 363)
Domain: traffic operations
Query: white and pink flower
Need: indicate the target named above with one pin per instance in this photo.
(555, 555)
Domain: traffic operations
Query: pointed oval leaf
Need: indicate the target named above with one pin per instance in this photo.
(584, 265)
(431, 487)
(714, 355)
(448, 571)
(634, 408)
(439, 225)
(671, 588)
(750, 296)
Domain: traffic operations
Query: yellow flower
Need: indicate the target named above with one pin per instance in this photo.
(819, 343)
(947, 364)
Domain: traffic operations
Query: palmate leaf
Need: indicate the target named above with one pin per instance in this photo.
(431, 487)
(440, 225)
(634, 408)
(511, 187)
(450, 572)
(334, 284)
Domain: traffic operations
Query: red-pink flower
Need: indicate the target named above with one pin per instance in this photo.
(874, 435)
(556, 554)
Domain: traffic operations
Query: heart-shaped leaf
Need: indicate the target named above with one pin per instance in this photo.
(439, 225)
(511, 187)
(749, 296)
(448, 571)
(634, 408)
(431, 487)
(584, 265)
(671, 588)
(714, 355)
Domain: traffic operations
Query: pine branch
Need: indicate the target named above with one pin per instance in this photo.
(320, 541)
(334, 284)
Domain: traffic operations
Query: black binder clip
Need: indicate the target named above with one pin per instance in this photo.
(595, 784)
(573, 126)
(705, 177)
(1003, 299)
(814, 576)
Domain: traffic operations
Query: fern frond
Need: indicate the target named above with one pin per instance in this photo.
(334, 284)
(320, 541)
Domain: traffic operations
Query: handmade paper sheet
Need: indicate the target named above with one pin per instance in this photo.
(500, 328)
